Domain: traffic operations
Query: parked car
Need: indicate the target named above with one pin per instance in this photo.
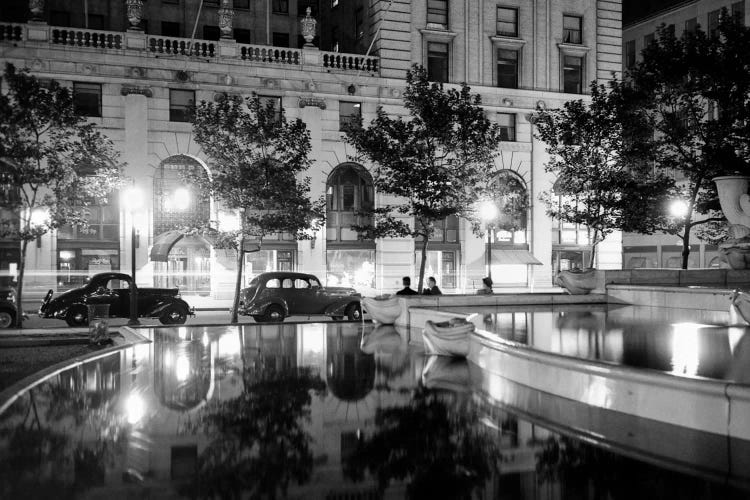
(8, 306)
(276, 295)
(114, 289)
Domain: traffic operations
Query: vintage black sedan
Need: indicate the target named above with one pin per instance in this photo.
(8, 306)
(114, 289)
(276, 295)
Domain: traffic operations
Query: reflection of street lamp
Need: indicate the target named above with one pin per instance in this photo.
(488, 213)
(133, 200)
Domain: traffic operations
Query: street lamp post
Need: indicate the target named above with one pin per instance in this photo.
(133, 200)
(488, 213)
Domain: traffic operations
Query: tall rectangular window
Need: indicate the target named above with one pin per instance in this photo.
(507, 122)
(738, 12)
(359, 31)
(211, 33)
(437, 62)
(170, 29)
(349, 114)
(507, 21)
(280, 7)
(507, 68)
(96, 22)
(241, 35)
(713, 23)
(572, 74)
(691, 25)
(59, 18)
(572, 29)
(280, 39)
(437, 13)
(181, 104)
(87, 98)
(648, 40)
(630, 53)
(275, 102)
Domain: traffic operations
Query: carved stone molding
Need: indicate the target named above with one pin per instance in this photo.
(312, 101)
(134, 89)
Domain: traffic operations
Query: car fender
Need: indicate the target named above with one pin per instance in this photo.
(339, 307)
(259, 307)
(162, 305)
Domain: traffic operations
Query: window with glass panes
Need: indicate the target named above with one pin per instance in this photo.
(507, 21)
(103, 224)
(437, 13)
(507, 68)
(713, 22)
(349, 190)
(87, 98)
(275, 102)
(648, 39)
(280, 39)
(169, 28)
(691, 25)
(573, 74)
(181, 104)
(437, 62)
(507, 123)
(572, 29)
(349, 114)
(630, 53)
(738, 11)
(280, 6)
(241, 35)
(211, 33)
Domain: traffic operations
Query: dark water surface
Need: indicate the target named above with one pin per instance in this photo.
(340, 411)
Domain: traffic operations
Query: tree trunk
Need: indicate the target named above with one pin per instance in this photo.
(686, 245)
(422, 265)
(19, 290)
(592, 259)
(238, 283)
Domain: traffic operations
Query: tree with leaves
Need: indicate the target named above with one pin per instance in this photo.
(436, 163)
(53, 163)
(603, 179)
(257, 160)
(696, 91)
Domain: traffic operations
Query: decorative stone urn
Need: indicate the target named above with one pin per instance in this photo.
(135, 14)
(735, 203)
(577, 282)
(37, 9)
(308, 28)
(226, 14)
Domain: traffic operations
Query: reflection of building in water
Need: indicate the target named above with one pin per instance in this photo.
(350, 373)
(182, 371)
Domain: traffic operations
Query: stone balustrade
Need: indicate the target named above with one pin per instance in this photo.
(213, 51)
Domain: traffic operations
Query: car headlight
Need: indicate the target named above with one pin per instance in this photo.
(8, 296)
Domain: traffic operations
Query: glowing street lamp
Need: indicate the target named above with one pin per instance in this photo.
(678, 208)
(488, 213)
(132, 199)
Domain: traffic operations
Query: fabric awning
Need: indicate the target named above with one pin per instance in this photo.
(164, 243)
(508, 256)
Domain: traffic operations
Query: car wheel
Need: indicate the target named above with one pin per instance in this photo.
(274, 312)
(77, 316)
(337, 318)
(6, 319)
(354, 312)
(174, 314)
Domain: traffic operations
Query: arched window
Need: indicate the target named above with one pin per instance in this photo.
(512, 202)
(349, 260)
(178, 204)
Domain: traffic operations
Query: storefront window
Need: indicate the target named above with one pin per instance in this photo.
(352, 268)
(441, 264)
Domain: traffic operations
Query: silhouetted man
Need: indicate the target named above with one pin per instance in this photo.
(406, 281)
(432, 288)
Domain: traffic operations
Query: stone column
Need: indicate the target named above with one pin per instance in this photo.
(541, 223)
(136, 157)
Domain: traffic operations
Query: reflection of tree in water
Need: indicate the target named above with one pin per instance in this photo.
(259, 443)
(583, 470)
(436, 444)
(41, 429)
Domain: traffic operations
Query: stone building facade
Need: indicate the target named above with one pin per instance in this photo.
(136, 68)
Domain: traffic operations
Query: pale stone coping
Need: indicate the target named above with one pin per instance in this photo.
(655, 393)
(9, 395)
